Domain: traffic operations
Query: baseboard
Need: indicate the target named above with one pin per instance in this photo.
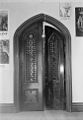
(77, 107)
(7, 108)
(11, 108)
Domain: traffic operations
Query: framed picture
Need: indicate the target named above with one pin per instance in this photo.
(79, 21)
(65, 10)
(3, 23)
(4, 51)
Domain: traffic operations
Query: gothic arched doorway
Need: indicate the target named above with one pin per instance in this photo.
(42, 64)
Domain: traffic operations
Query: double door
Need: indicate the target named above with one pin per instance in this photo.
(42, 68)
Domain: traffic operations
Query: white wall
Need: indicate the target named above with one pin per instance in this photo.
(18, 13)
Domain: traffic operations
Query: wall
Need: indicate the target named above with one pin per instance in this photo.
(20, 12)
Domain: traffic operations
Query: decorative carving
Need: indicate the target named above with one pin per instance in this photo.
(53, 80)
(31, 58)
(30, 96)
(53, 58)
(31, 36)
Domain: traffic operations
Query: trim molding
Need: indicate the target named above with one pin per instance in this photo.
(7, 108)
(11, 108)
(77, 107)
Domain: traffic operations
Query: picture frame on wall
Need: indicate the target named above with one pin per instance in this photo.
(4, 51)
(4, 37)
(4, 27)
(65, 10)
(79, 21)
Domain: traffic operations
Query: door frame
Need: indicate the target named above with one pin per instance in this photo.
(67, 36)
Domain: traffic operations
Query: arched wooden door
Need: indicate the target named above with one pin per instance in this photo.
(55, 96)
(40, 59)
(31, 53)
(30, 47)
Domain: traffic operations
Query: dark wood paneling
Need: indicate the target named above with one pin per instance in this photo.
(54, 82)
(7, 108)
(30, 59)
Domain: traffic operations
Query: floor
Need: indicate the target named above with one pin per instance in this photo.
(42, 115)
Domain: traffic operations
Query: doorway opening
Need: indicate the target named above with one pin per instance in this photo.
(55, 87)
(42, 65)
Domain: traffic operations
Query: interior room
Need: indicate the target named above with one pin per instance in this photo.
(41, 47)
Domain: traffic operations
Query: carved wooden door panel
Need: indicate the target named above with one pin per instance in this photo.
(32, 68)
(31, 95)
(54, 70)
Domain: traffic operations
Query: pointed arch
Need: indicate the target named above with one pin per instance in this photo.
(67, 36)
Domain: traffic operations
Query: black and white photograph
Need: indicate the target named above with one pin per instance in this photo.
(79, 21)
(3, 21)
(65, 10)
(4, 51)
(41, 60)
